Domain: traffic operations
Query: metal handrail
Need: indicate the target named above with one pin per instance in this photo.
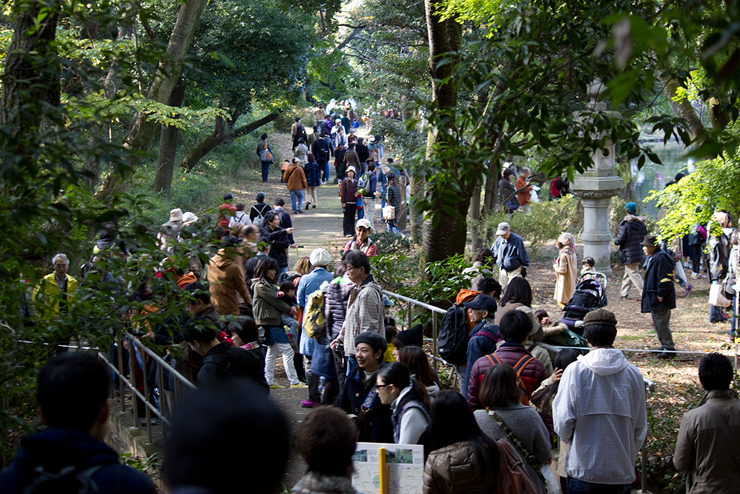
(415, 302)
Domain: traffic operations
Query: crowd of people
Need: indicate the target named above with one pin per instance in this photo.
(369, 379)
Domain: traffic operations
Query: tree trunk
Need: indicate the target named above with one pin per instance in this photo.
(683, 109)
(476, 242)
(167, 75)
(222, 133)
(449, 236)
(31, 79)
(168, 145)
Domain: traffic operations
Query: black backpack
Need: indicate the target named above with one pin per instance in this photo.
(452, 341)
(68, 480)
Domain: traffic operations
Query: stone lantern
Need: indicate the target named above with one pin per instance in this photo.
(596, 187)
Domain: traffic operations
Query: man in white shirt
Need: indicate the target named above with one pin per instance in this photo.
(600, 411)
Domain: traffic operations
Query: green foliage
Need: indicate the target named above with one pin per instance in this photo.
(404, 141)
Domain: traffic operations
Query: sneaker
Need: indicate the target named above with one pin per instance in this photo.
(687, 289)
(276, 386)
(308, 404)
(307, 205)
(314, 206)
(299, 385)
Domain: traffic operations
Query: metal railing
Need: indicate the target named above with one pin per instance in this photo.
(162, 366)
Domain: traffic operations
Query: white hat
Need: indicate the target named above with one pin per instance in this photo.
(503, 228)
(365, 223)
(351, 169)
(189, 218)
(176, 214)
(320, 257)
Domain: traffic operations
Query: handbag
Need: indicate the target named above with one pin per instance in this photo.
(266, 155)
(389, 213)
(716, 297)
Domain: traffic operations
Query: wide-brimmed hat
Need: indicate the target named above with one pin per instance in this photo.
(351, 169)
(650, 241)
(189, 218)
(176, 214)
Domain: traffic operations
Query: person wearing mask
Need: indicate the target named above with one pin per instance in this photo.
(278, 238)
(707, 443)
(510, 254)
(659, 295)
(600, 412)
(566, 268)
(362, 241)
(632, 230)
(327, 441)
(348, 195)
(504, 417)
(408, 400)
(313, 180)
(360, 394)
(463, 458)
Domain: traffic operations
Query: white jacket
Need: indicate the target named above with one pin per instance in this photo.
(600, 411)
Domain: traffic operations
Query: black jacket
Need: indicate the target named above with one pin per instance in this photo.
(260, 207)
(375, 423)
(225, 361)
(279, 241)
(339, 155)
(322, 150)
(56, 449)
(362, 152)
(632, 231)
(659, 283)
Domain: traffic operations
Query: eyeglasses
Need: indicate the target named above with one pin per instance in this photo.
(382, 385)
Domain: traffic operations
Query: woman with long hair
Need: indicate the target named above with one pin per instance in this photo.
(418, 363)
(566, 267)
(267, 308)
(408, 399)
(463, 458)
(522, 426)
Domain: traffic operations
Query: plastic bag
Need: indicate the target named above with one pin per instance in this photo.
(551, 480)
(716, 297)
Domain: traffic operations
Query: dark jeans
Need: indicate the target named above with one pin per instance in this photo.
(349, 219)
(313, 382)
(265, 170)
(576, 486)
(715, 314)
(324, 169)
(696, 258)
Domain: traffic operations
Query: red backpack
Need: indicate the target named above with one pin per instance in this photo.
(518, 368)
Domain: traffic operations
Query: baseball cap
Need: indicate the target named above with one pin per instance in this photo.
(482, 302)
(364, 223)
(503, 227)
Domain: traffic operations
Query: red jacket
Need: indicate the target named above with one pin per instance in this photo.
(509, 353)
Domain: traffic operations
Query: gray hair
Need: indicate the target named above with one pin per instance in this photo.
(60, 256)
(525, 169)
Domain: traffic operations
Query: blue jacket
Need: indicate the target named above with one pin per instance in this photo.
(55, 449)
(376, 426)
(313, 174)
(480, 346)
(310, 283)
(510, 253)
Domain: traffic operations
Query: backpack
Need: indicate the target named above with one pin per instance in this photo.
(259, 219)
(518, 368)
(452, 339)
(512, 476)
(314, 320)
(324, 152)
(69, 479)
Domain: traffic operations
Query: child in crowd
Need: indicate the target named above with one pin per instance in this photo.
(589, 265)
(552, 331)
(390, 335)
(287, 294)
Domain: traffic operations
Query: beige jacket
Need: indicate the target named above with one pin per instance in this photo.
(702, 448)
(225, 281)
(566, 266)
